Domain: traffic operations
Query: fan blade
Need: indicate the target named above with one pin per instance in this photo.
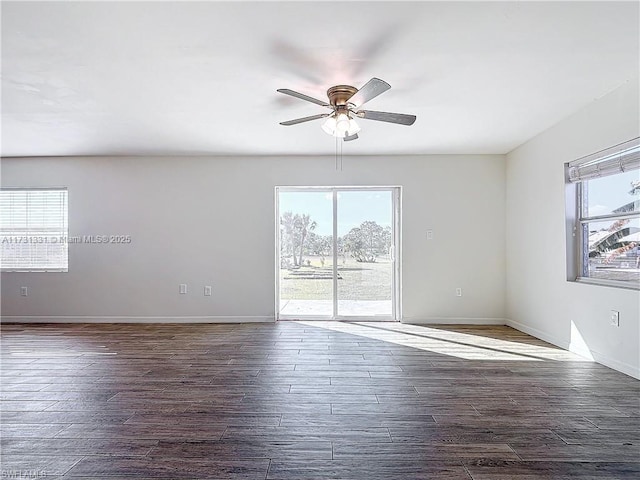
(400, 118)
(302, 96)
(369, 90)
(349, 138)
(305, 119)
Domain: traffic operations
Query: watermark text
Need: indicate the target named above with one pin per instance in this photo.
(71, 240)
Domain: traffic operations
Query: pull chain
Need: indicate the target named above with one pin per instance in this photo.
(339, 163)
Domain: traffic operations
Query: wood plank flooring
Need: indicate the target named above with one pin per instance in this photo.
(309, 400)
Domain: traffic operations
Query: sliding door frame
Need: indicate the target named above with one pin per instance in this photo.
(396, 297)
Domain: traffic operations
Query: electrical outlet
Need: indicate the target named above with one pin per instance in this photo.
(183, 288)
(429, 234)
(24, 291)
(615, 318)
(458, 292)
(207, 291)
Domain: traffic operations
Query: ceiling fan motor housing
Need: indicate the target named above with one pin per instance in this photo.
(340, 94)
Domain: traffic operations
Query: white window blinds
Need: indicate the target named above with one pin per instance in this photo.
(33, 229)
(621, 158)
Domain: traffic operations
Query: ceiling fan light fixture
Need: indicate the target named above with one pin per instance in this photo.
(329, 125)
(342, 123)
(353, 127)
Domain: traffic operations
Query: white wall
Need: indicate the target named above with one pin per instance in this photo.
(210, 221)
(540, 300)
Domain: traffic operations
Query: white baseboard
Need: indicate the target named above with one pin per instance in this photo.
(616, 365)
(454, 321)
(598, 357)
(538, 334)
(135, 319)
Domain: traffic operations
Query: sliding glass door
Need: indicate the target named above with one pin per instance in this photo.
(365, 242)
(306, 253)
(337, 252)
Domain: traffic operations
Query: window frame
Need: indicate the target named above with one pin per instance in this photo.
(577, 222)
(66, 233)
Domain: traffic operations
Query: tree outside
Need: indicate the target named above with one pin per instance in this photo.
(368, 241)
(297, 239)
(294, 232)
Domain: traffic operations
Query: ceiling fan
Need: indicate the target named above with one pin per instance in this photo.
(345, 102)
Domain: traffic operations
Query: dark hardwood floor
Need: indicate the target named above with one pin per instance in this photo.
(321, 400)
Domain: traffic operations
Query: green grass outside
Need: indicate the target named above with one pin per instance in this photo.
(359, 281)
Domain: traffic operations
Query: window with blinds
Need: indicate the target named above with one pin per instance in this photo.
(33, 230)
(606, 229)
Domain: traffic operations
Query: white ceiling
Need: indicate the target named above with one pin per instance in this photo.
(87, 78)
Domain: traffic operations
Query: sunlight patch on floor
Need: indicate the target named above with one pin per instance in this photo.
(448, 342)
(542, 352)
